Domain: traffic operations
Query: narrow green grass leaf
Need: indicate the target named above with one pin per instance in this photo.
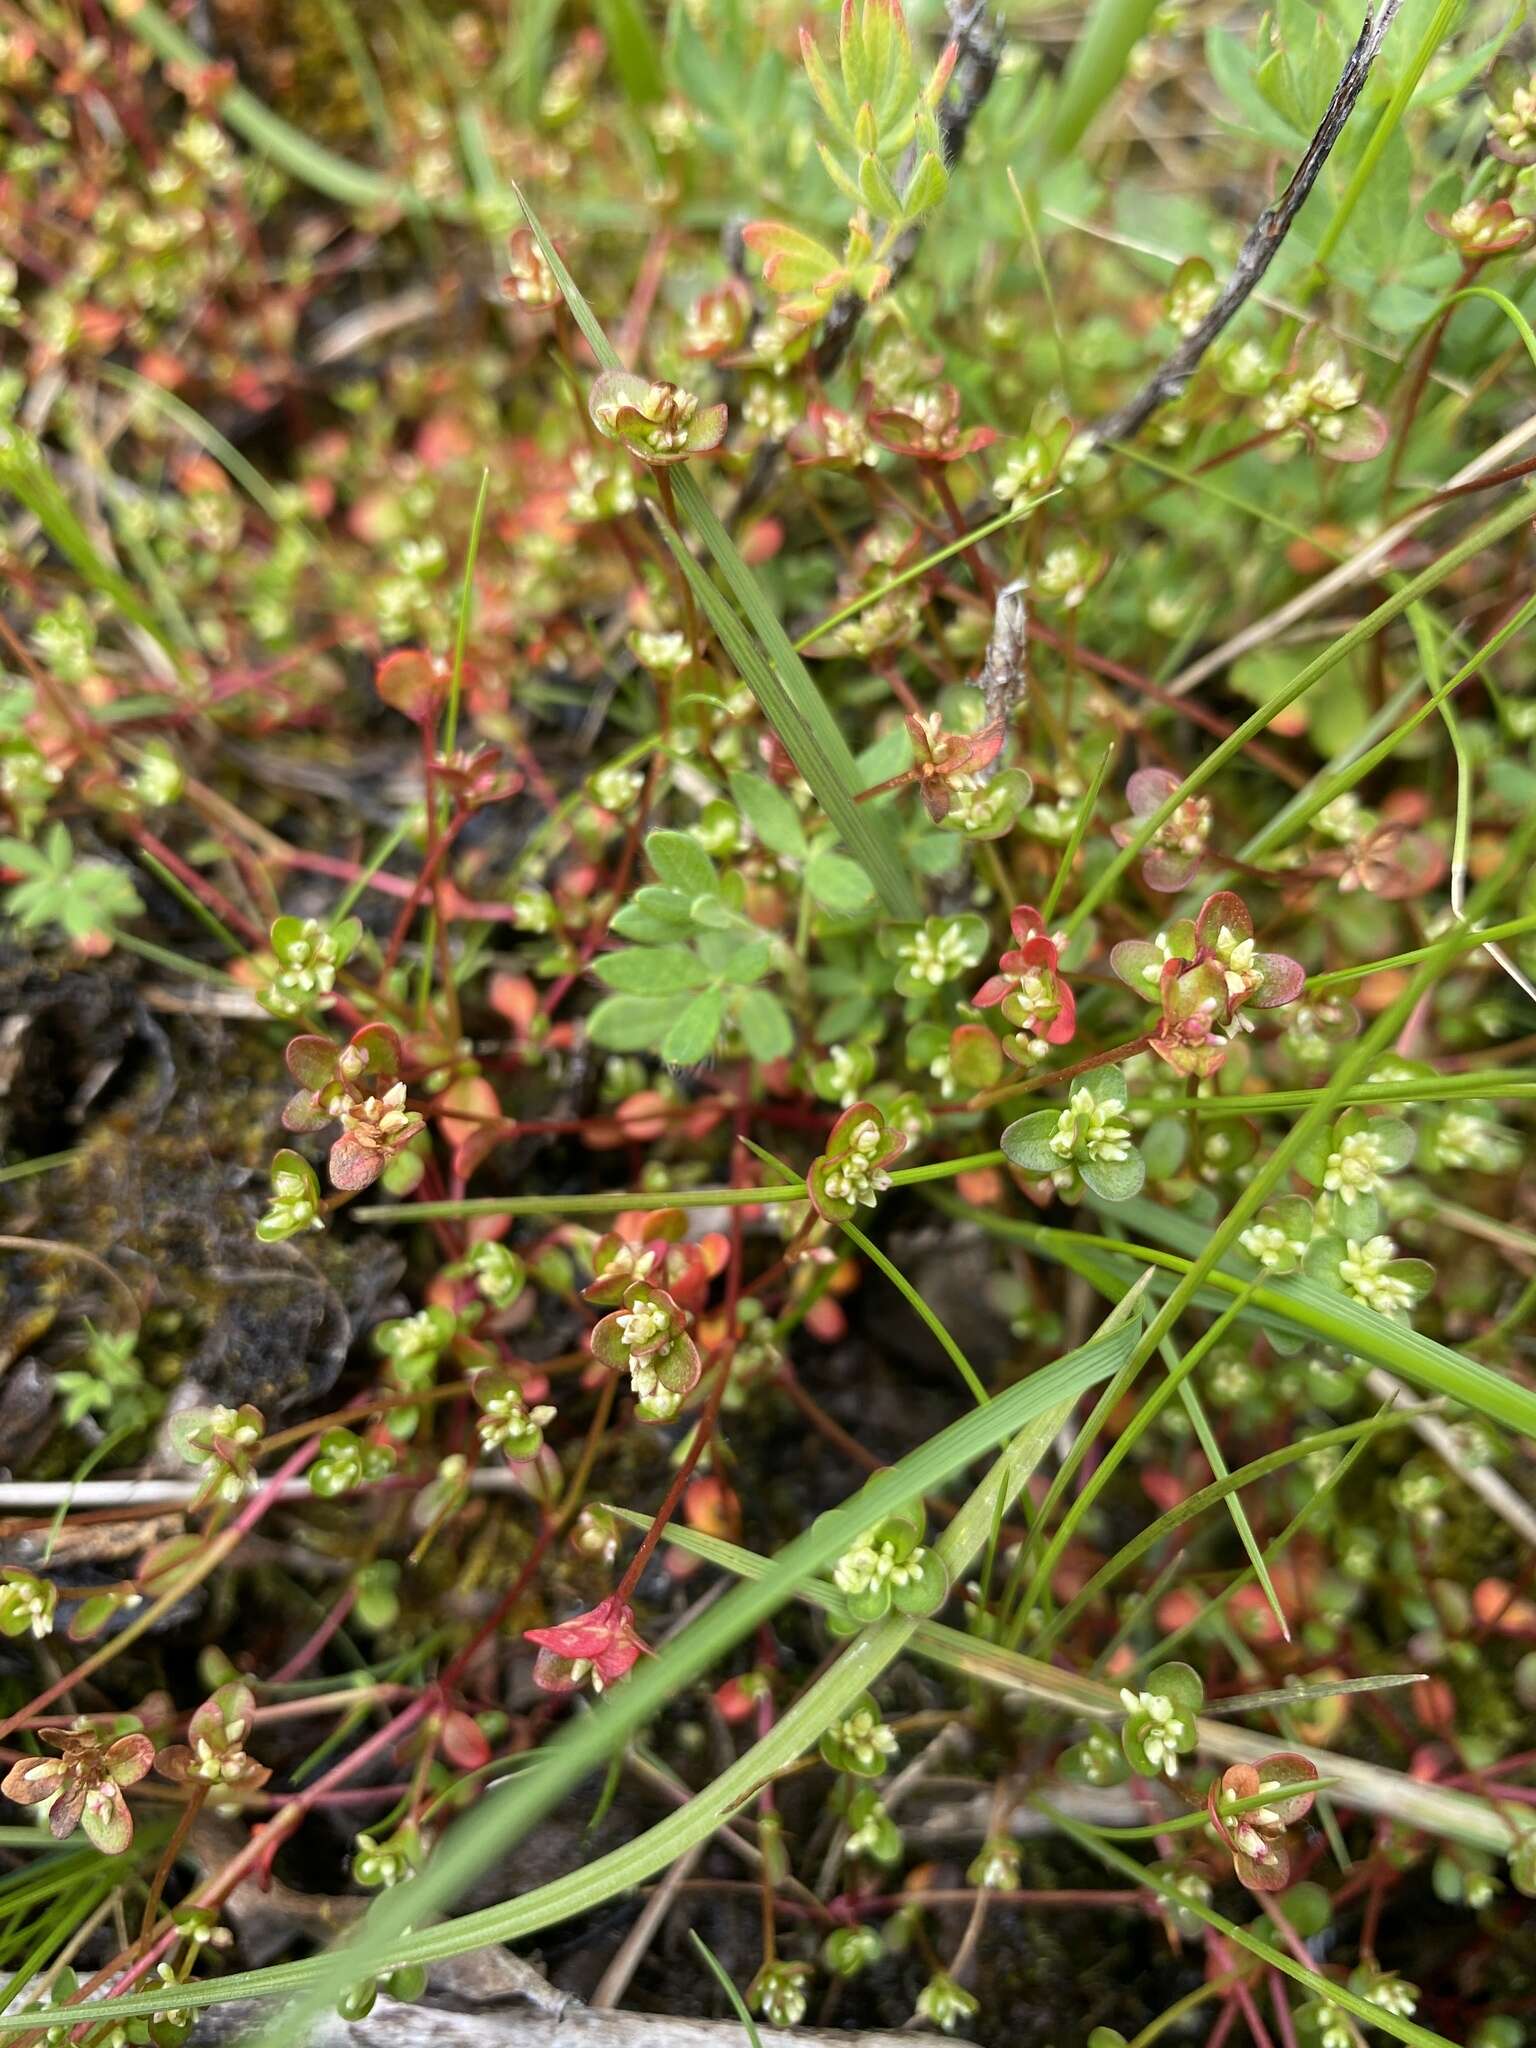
(466, 610)
(46, 1162)
(1438, 27)
(1200, 1422)
(632, 50)
(321, 169)
(727, 1984)
(1075, 837)
(207, 437)
(866, 598)
(25, 473)
(920, 1308)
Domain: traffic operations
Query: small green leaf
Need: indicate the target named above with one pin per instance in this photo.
(1114, 1180)
(765, 1026)
(1026, 1144)
(681, 863)
(653, 915)
(634, 921)
(631, 1023)
(838, 884)
(877, 191)
(651, 970)
(692, 1037)
(925, 188)
(770, 814)
(749, 962)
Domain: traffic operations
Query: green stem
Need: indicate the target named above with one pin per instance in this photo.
(921, 1309)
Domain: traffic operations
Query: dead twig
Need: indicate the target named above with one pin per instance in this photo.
(1004, 677)
(1262, 244)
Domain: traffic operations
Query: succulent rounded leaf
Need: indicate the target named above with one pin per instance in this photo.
(1114, 1180)
(926, 1593)
(1026, 1144)
(353, 1166)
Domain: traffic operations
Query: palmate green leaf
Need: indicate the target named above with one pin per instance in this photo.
(681, 863)
(1231, 64)
(1027, 1415)
(837, 884)
(756, 642)
(692, 1036)
(651, 970)
(631, 1023)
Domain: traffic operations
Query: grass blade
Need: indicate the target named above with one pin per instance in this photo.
(1371, 1788)
(1094, 69)
(1030, 1413)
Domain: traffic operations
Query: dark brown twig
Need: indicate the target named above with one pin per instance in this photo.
(1263, 243)
(1004, 677)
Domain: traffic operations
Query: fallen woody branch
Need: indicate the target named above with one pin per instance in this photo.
(1262, 244)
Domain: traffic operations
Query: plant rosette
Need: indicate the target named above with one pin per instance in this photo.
(214, 1754)
(1029, 991)
(859, 1743)
(1221, 934)
(1260, 1858)
(358, 1085)
(891, 1567)
(1177, 847)
(294, 1204)
(307, 957)
(1278, 1237)
(946, 763)
(1371, 1271)
(647, 1337)
(854, 1171)
(937, 951)
(1352, 1164)
(662, 1256)
(1159, 1725)
(659, 422)
(1088, 1144)
(1204, 973)
(85, 1783)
